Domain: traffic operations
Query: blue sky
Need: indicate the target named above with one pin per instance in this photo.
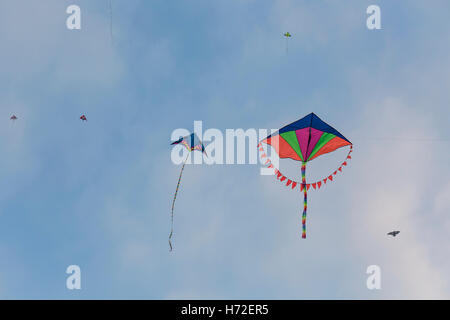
(98, 194)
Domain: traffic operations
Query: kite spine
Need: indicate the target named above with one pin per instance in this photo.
(305, 200)
(173, 202)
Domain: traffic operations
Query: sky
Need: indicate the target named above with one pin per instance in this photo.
(97, 194)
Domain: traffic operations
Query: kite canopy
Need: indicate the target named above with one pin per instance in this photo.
(191, 142)
(306, 139)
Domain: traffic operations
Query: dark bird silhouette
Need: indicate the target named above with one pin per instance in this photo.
(393, 233)
(13, 117)
(83, 118)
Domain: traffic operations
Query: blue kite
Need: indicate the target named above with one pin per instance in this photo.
(191, 143)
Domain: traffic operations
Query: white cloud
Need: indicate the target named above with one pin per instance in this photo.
(394, 175)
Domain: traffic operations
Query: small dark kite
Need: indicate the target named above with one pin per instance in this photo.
(393, 233)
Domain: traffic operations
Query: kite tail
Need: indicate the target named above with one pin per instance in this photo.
(305, 200)
(173, 202)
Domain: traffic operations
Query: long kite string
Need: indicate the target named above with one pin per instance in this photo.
(173, 202)
(305, 199)
(110, 19)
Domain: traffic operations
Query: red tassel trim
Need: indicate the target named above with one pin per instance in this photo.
(315, 185)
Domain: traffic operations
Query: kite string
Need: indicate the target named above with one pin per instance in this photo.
(174, 198)
(110, 19)
(305, 200)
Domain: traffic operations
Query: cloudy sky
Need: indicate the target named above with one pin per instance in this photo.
(98, 194)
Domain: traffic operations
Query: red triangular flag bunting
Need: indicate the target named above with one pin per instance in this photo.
(340, 169)
(307, 186)
(344, 163)
(279, 174)
(283, 178)
(288, 182)
(325, 180)
(271, 166)
(319, 184)
(335, 172)
(331, 178)
(261, 149)
(349, 157)
(294, 184)
(314, 185)
(301, 187)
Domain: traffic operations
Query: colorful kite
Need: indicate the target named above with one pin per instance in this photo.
(83, 118)
(13, 117)
(287, 35)
(191, 143)
(305, 140)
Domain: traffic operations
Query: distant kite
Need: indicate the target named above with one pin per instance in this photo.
(393, 233)
(83, 118)
(305, 140)
(191, 143)
(287, 35)
(13, 117)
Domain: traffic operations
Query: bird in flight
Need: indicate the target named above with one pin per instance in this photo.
(13, 117)
(83, 118)
(393, 233)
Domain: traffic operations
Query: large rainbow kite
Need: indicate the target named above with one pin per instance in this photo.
(305, 140)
